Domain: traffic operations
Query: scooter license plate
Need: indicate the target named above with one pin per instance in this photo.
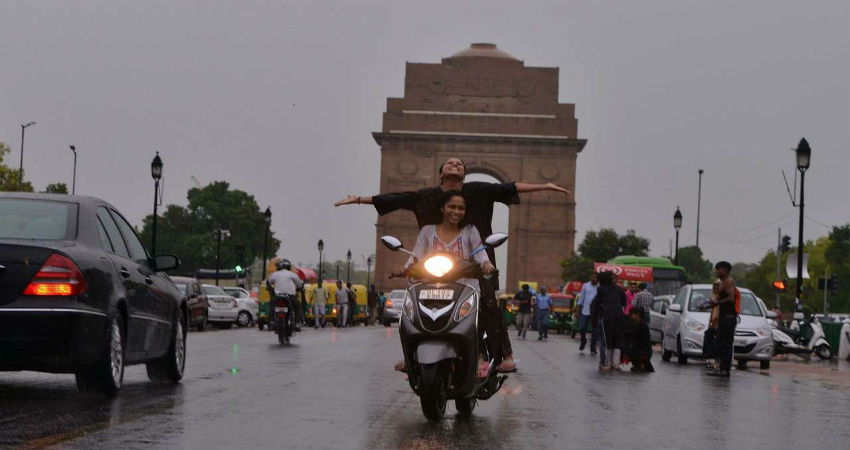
(284, 309)
(436, 294)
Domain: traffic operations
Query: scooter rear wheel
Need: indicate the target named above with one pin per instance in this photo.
(432, 396)
(282, 332)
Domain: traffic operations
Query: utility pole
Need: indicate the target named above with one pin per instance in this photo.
(825, 290)
(778, 260)
(699, 202)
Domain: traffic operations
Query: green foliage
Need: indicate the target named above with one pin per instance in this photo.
(56, 188)
(827, 253)
(600, 246)
(699, 270)
(9, 177)
(190, 232)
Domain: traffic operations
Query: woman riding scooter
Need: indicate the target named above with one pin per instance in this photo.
(452, 235)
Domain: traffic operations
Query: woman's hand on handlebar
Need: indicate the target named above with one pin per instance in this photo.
(488, 268)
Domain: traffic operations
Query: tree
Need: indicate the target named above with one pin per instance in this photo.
(606, 244)
(699, 269)
(600, 246)
(56, 188)
(9, 177)
(837, 259)
(190, 232)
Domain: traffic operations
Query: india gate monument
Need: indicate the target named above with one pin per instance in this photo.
(502, 119)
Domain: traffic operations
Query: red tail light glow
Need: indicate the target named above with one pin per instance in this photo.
(58, 276)
(389, 304)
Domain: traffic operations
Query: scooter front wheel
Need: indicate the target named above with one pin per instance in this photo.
(823, 352)
(432, 396)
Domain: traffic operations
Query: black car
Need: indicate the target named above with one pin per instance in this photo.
(196, 301)
(80, 294)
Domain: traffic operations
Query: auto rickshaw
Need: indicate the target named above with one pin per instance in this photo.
(361, 309)
(561, 315)
(509, 308)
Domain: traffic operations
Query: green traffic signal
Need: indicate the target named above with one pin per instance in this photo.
(238, 269)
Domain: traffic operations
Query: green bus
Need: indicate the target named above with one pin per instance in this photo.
(668, 277)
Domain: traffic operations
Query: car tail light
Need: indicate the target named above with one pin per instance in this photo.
(235, 304)
(58, 276)
(389, 304)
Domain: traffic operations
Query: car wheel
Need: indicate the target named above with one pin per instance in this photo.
(681, 358)
(170, 367)
(202, 325)
(243, 319)
(764, 365)
(107, 375)
(741, 364)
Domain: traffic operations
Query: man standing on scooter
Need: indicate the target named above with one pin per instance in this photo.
(728, 319)
(425, 205)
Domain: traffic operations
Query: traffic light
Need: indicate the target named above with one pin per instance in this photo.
(786, 244)
(779, 285)
(238, 269)
(833, 284)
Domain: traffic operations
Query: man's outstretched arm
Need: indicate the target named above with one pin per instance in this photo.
(354, 199)
(529, 187)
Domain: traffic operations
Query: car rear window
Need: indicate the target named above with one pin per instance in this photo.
(36, 219)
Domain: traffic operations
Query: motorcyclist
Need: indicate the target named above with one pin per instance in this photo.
(285, 283)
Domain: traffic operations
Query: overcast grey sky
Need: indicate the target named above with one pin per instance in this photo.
(279, 99)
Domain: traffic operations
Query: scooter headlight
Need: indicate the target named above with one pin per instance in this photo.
(466, 307)
(439, 265)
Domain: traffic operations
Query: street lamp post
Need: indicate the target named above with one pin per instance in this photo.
(677, 223)
(156, 174)
(321, 247)
(804, 156)
(21, 168)
(267, 217)
(368, 271)
(699, 203)
(74, 178)
(348, 267)
(220, 234)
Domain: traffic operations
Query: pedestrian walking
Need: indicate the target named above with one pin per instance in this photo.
(320, 298)
(382, 301)
(372, 303)
(341, 305)
(352, 304)
(643, 299)
(523, 315)
(609, 304)
(728, 318)
(543, 303)
(583, 307)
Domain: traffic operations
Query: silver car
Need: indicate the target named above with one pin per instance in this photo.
(392, 308)
(223, 307)
(685, 324)
(656, 317)
(248, 307)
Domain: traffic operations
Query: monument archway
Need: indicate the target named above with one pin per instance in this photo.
(502, 119)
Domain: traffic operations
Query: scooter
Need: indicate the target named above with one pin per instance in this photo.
(791, 341)
(439, 332)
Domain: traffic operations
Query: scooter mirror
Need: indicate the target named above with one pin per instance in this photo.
(391, 243)
(496, 239)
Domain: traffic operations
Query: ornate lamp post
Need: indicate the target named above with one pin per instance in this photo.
(156, 174)
(321, 247)
(267, 217)
(368, 272)
(677, 223)
(348, 267)
(804, 157)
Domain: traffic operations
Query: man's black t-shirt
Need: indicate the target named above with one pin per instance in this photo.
(425, 205)
(524, 298)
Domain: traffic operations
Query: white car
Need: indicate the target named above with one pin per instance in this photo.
(223, 308)
(684, 327)
(656, 317)
(248, 307)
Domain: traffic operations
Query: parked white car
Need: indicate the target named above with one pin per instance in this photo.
(223, 307)
(684, 327)
(656, 317)
(248, 306)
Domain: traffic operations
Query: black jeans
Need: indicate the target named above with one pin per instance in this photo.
(726, 340)
(491, 318)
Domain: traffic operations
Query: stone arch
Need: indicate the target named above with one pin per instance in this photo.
(481, 115)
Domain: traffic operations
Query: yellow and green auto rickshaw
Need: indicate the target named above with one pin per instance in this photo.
(360, 308)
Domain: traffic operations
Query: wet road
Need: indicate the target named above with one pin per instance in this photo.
(336, 389)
